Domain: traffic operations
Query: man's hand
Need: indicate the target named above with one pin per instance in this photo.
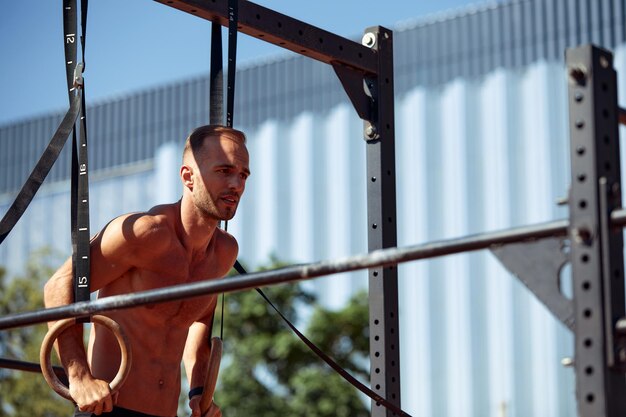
(194, 404)
(92, 395)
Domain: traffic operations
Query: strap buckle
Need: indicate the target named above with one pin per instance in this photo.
(78, 75)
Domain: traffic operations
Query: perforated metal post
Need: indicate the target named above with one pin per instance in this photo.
(381, 214)
(596, 250)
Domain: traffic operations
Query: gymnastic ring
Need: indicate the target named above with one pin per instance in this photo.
(62, 325)
(210, 382)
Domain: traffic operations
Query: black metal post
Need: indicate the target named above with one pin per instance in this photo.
(381, 215)
(596, 250)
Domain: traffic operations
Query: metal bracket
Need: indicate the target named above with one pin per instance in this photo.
(78, 75)
(361, 90)
(358, 90)
(538, 264)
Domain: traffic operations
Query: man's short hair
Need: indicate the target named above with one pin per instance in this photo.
(196, 139)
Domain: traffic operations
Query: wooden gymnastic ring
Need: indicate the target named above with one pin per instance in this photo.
(213, 411)
(62, 325)
(211, 379)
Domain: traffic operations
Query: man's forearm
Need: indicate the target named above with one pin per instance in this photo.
(69, 345)
(196, 355)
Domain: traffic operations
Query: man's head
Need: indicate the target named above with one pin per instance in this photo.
(214, 171)
(200, 135)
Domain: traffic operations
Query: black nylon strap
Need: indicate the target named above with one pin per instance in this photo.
(216, 114)
(51, 153)
(353, 381)
(217, 94)
(82, 251)
(233, 19)
(216, 77)
(70, 42)
(84, 5)
(80, 203)
(80, 185)
(41, 169)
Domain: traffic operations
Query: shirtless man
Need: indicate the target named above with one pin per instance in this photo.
(170, 244)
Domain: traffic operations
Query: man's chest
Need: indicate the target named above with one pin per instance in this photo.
(177, 272)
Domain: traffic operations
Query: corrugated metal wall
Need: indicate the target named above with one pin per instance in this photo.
(466, 44)
(491, 147)
(481, 145)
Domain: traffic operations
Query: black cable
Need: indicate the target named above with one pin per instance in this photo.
(320, 353)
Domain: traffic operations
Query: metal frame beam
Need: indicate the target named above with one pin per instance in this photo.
(285, 32)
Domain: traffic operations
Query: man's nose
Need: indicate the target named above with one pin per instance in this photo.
(237, 183)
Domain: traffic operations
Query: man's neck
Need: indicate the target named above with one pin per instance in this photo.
(195, 229)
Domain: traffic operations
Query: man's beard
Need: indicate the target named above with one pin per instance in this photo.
(206, 203)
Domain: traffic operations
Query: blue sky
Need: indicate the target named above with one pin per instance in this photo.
(135, 44)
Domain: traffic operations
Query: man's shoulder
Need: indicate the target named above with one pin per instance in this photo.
(154, 227)
(226, 247)
(225, 240)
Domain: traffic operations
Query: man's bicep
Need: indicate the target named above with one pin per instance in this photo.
(110, 255)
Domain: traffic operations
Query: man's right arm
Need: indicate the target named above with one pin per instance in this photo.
(111, 252)
(89, 393)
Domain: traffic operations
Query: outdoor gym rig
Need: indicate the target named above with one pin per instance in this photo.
(590, 240)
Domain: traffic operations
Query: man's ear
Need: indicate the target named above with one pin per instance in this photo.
(186, 176)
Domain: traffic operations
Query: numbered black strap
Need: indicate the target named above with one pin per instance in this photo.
(79, 177)
(52, 151)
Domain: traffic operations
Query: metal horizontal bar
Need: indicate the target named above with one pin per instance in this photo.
(382, 257)
(30, 367)
(285, 32)
(377, 258)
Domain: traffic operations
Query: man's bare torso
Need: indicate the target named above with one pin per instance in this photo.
(158, 332)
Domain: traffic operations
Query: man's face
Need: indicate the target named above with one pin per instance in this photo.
(220, 178)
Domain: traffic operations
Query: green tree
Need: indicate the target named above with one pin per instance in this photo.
(25, 393)
(268, 372)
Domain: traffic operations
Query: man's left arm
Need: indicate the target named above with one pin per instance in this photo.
(196, 359)
(198, 346)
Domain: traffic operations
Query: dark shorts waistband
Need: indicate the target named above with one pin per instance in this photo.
(117, 412)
